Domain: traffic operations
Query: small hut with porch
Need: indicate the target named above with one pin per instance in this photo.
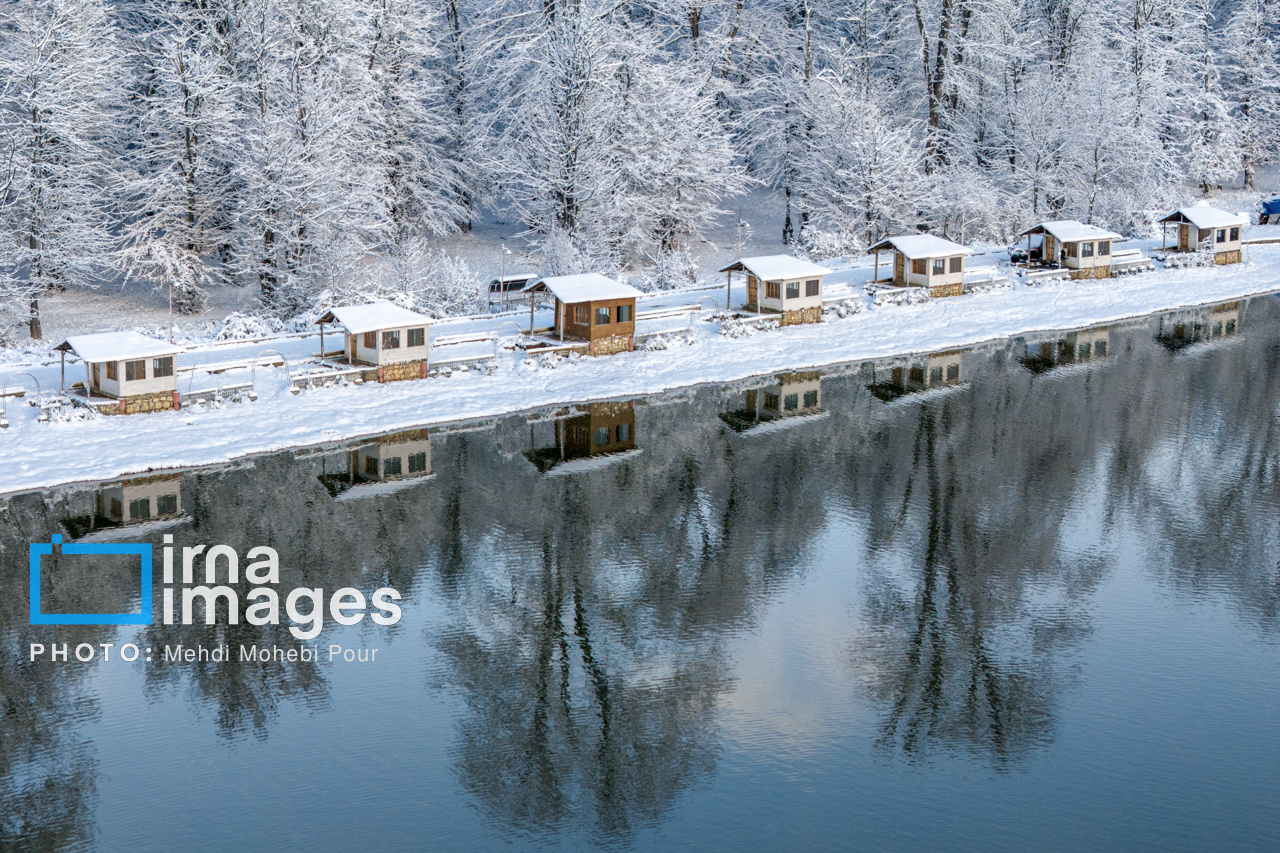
(392, 339)
(135, 371)
(1202, 227)
(923, 260)
(1085, 250)
(591, 308)
(791, 395)
(781, 284)
(605, 432)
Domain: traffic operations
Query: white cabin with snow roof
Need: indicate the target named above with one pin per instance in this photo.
(781, 284)
(1204, 227)
(923, 260)
(126, 366)
(1083, 249)
(383, 335)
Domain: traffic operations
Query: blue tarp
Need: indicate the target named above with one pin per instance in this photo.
(1271, 206)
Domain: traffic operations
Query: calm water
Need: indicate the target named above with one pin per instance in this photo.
(1018, 597)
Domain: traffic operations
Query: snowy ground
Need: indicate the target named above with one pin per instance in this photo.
(41, 455)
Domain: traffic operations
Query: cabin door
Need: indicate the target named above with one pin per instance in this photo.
(97, 380)
(1184, 237)
(899, 268)
(753, 291)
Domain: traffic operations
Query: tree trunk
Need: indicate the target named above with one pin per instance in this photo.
(35, 319)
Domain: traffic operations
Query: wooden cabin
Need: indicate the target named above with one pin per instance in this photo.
(1206, 228)
(1181, 329)
(923, 260)
(791, 395)
(1080, 347)
(603, 433)
(1083, 249)
(136, 371)
(384, 466)
(591, 308)
(781, 284)
(923, 373)
(395, 340)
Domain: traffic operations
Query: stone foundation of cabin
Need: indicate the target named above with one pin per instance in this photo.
(1232, 256)
(611, 345)
(403, 370)
(1091, 272)
(941, 291)
(803, 315)
(136, 404)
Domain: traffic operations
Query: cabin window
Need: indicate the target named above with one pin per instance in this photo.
(1082, 352)
(391, 340)
(953, 372)
(135, 370)
(810, 399)
(417, 462)
(919, 266)
(603, 315)
(791, 402)
(1104, 248)
(916, 375)
(1222, 235)
(370, 466)
(957, 264)
(417, 337)
(1231, 327)
(1235, 234)
(1086, 250)
(580, 315)
(1100, 349)
(162, 366)
(370, 340)
(772, 290)
(140, 510)
(601, 436)
(771, 401)
(391, 467)
(813, 287)
(625, 313)
(624, 432)
(113, 370)
(935, 375)
(115, 508)
(167, 505)
(939, 266)
(793, 290)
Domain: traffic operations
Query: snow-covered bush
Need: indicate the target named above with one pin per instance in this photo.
(905, 296)
(670, 271)
(817, 243)
(667, 340)
(240, 327)
(735, 326)
(849, 307)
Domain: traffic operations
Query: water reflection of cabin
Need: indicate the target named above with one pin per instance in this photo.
(398, 459)
(131, 502)
(591, 308)
(937, 370)
(792, 395)
(126, 372)
(1181, 329)
(781, 284)
(1202, 227)
(1079, 347)
(923, 260)
(1083, 249)
(603, 431)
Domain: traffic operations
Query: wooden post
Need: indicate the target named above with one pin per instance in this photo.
(1029, 250)
(63, 384)
(728, 288)
(876, 275)
(560, 311)
(322, 340)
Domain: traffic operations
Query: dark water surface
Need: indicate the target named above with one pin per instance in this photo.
(1018, 597)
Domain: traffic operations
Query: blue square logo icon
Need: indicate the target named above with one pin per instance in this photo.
(39, 549)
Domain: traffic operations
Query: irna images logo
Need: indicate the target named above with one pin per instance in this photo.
(40, 549)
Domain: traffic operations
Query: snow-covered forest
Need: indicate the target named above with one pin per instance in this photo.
(312, 149)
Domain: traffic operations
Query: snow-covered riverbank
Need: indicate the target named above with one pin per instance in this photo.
(42, 455)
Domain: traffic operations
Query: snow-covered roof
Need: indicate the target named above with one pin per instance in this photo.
(776, 267)
(586, 287)
(373, 317)
(116, 346)
(1205, 216)
(1071, 231)
(514, 276)
(921, 246)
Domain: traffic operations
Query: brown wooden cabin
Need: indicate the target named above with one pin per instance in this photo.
(923, 260)
(603, 430)
(781, 284)
(591, 308)
(1202, 227)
